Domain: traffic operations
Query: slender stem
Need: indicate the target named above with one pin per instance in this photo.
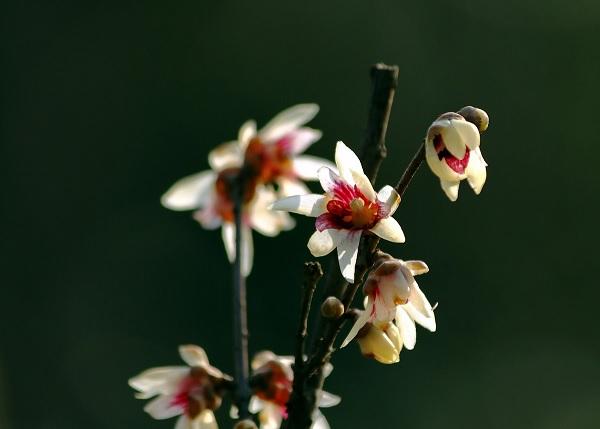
(240, 317)
(312, 275)
(411, 169)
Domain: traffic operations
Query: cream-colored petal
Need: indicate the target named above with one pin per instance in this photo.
(468, 132)
(264, 220)
(163, 407)
(389, 198)
(226, 155)
(228, 235)
(327, 400)
(451, 138)
(261, 358)
(307, 167)
(270, 417)
(322, 243)
(207, 420)
(246, 133)
(347, 162)
(287, 121)
(247, 254)
(158, 381)
(389, 229)
(319, 420)
(208, 216)
(193, 355)
(358, 325)
(183, 422)
(191, 192)
(329, 179)
(347, 251)
(407, 328)
(476, 171)
(311, 205)
(417, 267)
(420, 309)
(302, 138)
(256, 405)
(288, 187)
(450, 188)
(439, 167)
(364, 184)
(393, 333)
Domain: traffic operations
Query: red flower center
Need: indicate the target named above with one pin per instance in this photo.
(349, 209)
(223, 187)
(270, 161)
(196, 393)
(277, 387)
(454, 163)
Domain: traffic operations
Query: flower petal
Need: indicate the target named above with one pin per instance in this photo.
(191, 192)
(287, 121)
(270, 417)
(364, 184)
(256, 405)
(183, 422)
(307, 167)
(319, 421)
(162, 380)
(163, 407)
(329, 179)
(226, 155)
(322, 243)
(246, 133)
(389, 229)
(302, 138)
(347, 162)
(347, 251)
(439, 167)
(289, 187)
(417, 267)
(308, 205)
(208, 216)
(450, 188)
(419, 309)
(407, 328)
(389, 199)
(193, 355)
(228, 235)
(468, 132)
(476, 171)
(362, 320)
(207, 420)
(247, 254)
(327, 399)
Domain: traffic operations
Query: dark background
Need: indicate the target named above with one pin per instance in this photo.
(104, 105)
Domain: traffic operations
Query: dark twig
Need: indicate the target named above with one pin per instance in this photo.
(312, 275)
(411, 169)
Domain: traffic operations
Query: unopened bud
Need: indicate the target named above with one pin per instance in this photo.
(383, 345)
(476, 116)
(332, 308)
(245, 424)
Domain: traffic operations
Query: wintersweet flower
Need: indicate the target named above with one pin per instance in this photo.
(348, 208)
(192, 391)
(210, 194)
(274, 151)
(453, 154)
(392, 294)
(382, 343)
(274, 387)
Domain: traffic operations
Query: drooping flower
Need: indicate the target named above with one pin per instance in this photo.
(452, 150)
(392, 294)
(210, 194)
(274, 151)
(382, 343)
(348, 208)
(274, 387)
(192, 392)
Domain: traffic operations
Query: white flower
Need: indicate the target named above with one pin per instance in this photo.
(272, 394)
(273, 151)
(209, 193)
(453, 154)
(192, 392)
(392, 294)
(348, 207)
(382, 343)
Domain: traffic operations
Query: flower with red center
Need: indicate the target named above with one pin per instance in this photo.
(273, 377)
(192, 392)
(273, 152)
(210, 194)
(348, 208)
(452, 151)
(392, 294)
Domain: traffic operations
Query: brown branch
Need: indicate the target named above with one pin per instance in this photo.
(411, 169)
(312, 275)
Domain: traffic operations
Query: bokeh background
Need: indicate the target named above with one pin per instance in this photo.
(106, 104)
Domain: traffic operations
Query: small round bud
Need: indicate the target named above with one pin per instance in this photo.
(245, 424)
(332, 308)
(476, 116)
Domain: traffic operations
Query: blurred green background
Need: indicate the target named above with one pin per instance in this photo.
(106, 104)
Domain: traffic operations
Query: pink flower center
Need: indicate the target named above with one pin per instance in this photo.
(277, 388)
(454, 163)
(196, 393)
(349, 209)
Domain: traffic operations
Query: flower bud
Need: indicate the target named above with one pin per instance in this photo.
(245, 424)
(476, 116)
(383, 345)
(332, 308)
